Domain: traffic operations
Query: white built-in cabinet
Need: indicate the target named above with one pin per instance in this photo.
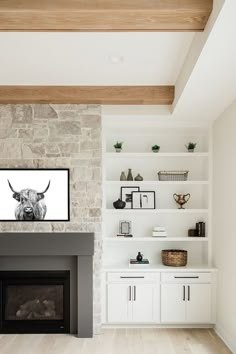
(133, 298)
(119, 304)
(160, 297)
(187, 298)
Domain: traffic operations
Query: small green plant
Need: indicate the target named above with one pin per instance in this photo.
(118, 145)
(191, 146)
(155, 147)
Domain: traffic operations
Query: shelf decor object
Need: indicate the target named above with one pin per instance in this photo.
(125, 228)
(143, 200)
(130, 176)
(181, 199)
(174, 258)
(126, 195)
(118, 146)
(138, 178)
(173, 175)
(123, 176)
(155, 148)
(119, 204)
(159, 231)
(191, 146)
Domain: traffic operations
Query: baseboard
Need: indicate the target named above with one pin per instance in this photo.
(125, 325)
(226, 339)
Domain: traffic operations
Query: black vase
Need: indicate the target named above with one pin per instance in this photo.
(119, 204)
(139, 257)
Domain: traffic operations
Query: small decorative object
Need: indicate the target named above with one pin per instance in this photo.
(119, 204)
(192, 232)
(118, 146)
(174, 258)
(191, 146)
(200, 229)
(126, 195)
(130, 176)
(125, 228)
(135, 262)
(138, 178)
(173, 175)
(139, 257)
(181, 199)
(155, 148)
(143, 200)
(123, 176)
(35, 195)
(159, 231)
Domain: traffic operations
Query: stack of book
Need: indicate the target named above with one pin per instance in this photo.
(159, 231)
(134, 262)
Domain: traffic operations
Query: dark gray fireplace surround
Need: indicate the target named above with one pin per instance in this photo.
(54, 245)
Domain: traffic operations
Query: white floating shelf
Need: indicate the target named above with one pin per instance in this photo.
(156, 239)
(156, 211)
(158, 267)
(157, 182)
(155, 154)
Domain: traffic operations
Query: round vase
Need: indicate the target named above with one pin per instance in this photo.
(138, 178)
(119, 204)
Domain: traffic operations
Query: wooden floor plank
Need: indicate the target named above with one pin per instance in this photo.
(116, 341)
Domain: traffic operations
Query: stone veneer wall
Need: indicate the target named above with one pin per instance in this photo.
(57, 136)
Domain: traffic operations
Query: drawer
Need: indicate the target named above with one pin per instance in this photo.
(133, 277)
(186, 277)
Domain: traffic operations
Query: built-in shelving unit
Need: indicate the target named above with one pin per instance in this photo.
(137, 155)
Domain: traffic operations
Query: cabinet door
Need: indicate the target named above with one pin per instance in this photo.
(145, 303)
(119, 306)
(198, 299)
(173, 305)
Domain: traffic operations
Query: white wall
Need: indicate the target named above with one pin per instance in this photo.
(224, 222)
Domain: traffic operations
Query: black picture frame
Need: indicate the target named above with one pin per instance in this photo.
(53, 174)
(126, 195)
(144, 200)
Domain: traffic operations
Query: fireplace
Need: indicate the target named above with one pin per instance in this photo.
(50, 252)
(35, 302)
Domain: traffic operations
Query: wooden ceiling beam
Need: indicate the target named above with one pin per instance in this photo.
(107, 95)
(104, 15)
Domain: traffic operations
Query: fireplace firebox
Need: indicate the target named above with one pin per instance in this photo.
(35, 302)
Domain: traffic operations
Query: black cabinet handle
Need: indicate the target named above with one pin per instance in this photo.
(130, 293)
(183, 292)
(134, 293)
(188, 293)
(131, 277)
(194, 277)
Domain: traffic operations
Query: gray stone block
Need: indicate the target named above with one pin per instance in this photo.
(44, 111)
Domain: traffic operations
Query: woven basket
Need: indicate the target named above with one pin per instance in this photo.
(174, 258)
(173, 175)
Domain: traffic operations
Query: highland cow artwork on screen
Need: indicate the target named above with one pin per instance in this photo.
(34, 195)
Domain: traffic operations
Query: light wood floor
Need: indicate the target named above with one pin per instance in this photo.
(118, 341)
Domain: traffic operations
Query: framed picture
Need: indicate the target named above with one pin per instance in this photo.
(34, 195)
(125, 227)
(126, 195)
(143, 200)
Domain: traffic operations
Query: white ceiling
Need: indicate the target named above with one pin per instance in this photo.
(202, 65)
(84, 58)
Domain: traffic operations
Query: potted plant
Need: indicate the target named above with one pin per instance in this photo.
(191, 146)
(118, 146)
(155, 148)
